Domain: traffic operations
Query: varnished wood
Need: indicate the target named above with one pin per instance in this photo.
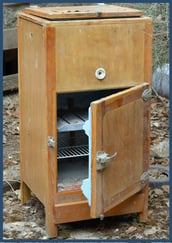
(134, 34)
(72, 212)
(100, 49)
(25, 192)
(97, 141)
(51, 164)
(62, 56)
(148, 52)
(33, 112)
(119, 128)
(79, 210)
(143, 215)
(134, 204)
(36, 123)
(83, 12)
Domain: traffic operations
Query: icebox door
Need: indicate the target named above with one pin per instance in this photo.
(120, 148)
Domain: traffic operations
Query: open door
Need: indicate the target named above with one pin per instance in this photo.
(120, 148)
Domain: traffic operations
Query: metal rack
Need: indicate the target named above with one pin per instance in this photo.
(71, 121)
(73, 152)
(72, 141)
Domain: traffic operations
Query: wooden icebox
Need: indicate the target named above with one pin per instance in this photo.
(84, 84)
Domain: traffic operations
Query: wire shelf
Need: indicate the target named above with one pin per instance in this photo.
(72, 152)
(71, 121)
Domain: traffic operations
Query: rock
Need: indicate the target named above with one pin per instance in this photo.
(158, 176)
(161, 150)
(23, 230)
(151, 231)
(160, 80)
(4, 139)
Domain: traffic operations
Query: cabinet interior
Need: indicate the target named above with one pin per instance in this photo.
(72, 141)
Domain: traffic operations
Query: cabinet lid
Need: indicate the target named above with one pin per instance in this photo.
(83, 12)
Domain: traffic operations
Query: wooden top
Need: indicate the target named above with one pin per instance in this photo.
(83, 12)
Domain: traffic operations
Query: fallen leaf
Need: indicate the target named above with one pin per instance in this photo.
(131, 229)
(167, 203)
(18, 193)
(166, 188)
(158, 191)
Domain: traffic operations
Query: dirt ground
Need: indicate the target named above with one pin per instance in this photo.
(27, 221)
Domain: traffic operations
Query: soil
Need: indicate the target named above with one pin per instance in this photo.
(28, 221)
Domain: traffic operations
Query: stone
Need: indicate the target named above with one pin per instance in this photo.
(161, 80)
(161, 150)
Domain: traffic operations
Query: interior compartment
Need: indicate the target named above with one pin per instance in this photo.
(72, 145)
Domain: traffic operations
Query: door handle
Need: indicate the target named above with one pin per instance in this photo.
(103, 159)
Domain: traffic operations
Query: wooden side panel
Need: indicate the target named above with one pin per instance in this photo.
(148, 52)
(115, 45)
(33, 107)
(120, 127)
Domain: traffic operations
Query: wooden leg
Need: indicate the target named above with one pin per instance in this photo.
(144, 214)
(25, 192)
(51, 228)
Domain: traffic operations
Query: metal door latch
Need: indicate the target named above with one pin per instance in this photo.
(51, 142)
(103, 159)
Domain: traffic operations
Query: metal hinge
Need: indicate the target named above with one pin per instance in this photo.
(103, 159)
(51, 142)
(148, 94)
(144, 177)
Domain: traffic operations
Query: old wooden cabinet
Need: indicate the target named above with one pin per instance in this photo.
(84, 72)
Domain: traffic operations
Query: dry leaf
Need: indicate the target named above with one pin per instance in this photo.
(158, 191)
(166, 188)
(131, 229)
(18, 193)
